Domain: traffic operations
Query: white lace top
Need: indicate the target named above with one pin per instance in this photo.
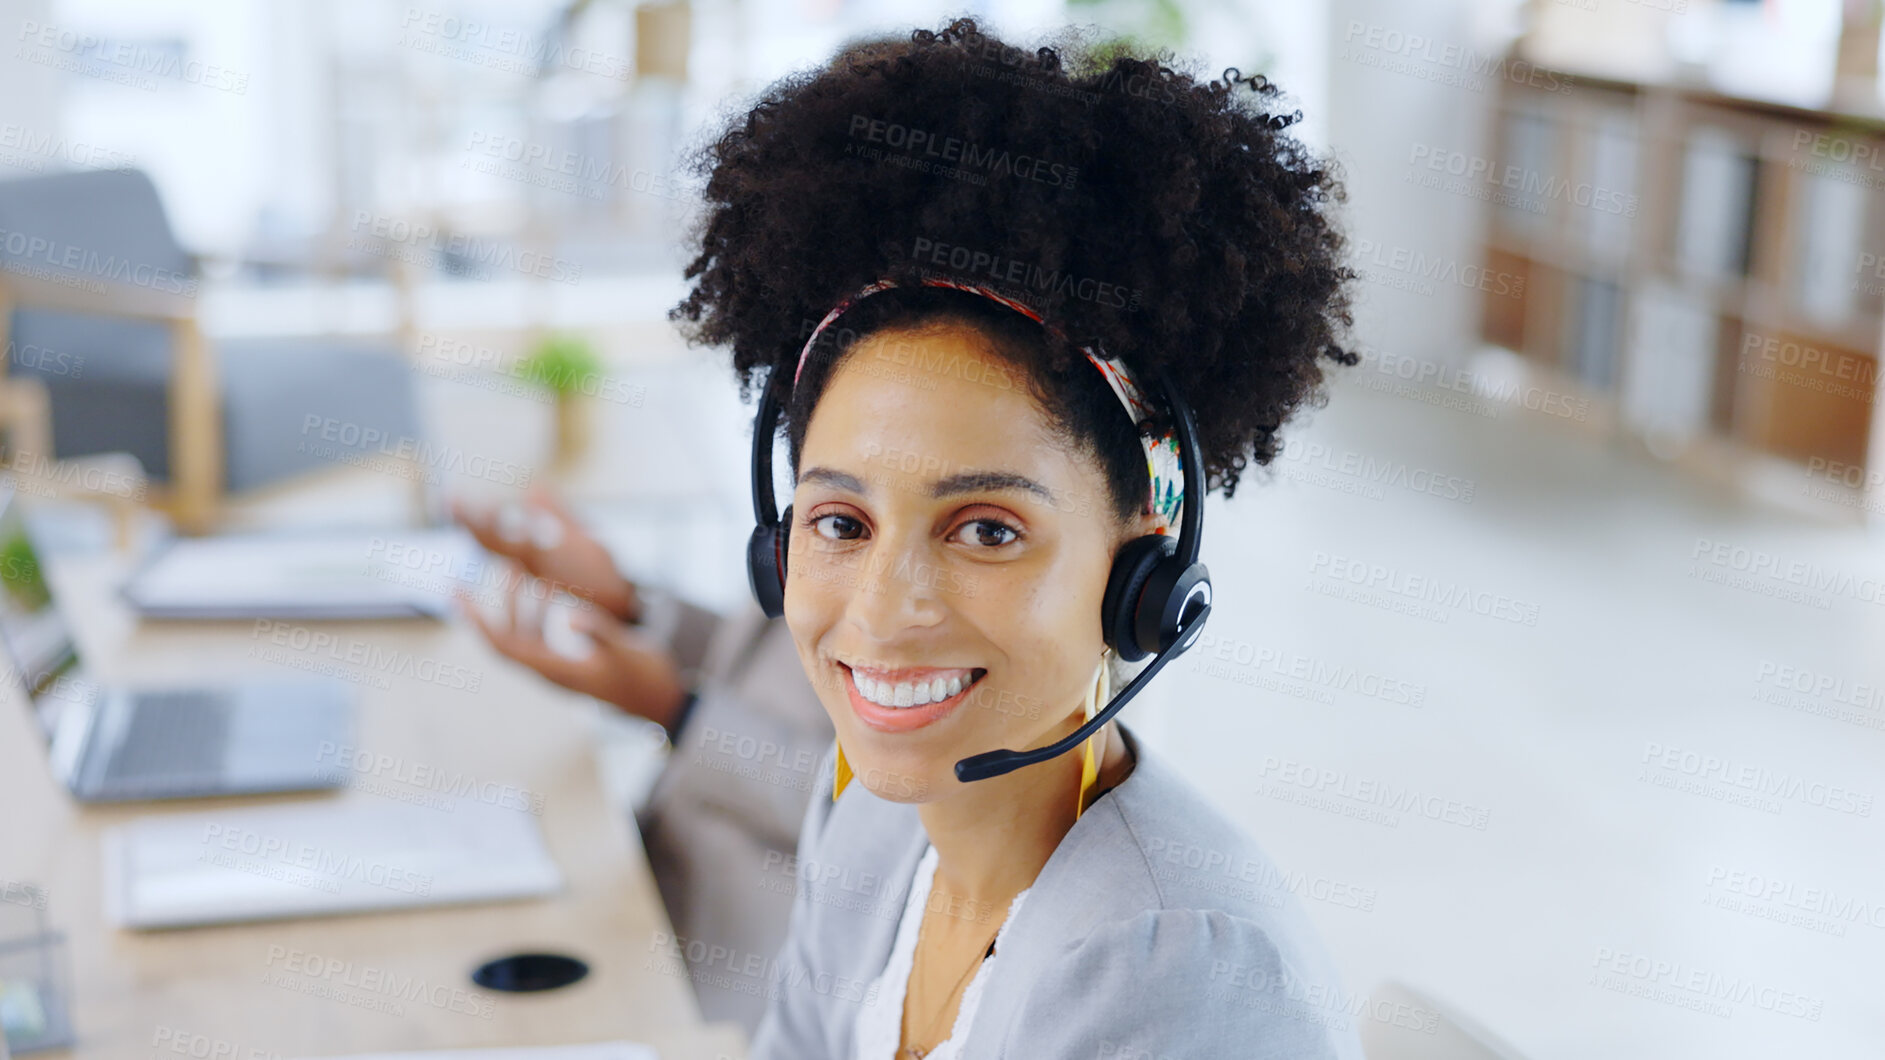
(879, 1028)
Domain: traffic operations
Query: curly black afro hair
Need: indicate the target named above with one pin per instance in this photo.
(1157, 217)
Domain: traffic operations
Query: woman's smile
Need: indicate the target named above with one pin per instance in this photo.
(908, 698)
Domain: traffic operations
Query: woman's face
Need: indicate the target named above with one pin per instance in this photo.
(948, 557)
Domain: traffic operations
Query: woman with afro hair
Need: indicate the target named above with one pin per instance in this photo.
(967, 272)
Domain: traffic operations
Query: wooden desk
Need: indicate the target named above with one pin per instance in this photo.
(137, 988)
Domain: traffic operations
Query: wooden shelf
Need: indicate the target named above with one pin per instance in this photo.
(1739, 306)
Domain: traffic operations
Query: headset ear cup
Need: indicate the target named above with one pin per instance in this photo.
(1125, 586)
(762, 570)
(766, 553)
(1171, 591)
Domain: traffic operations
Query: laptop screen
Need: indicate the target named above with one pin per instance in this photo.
(38, 645)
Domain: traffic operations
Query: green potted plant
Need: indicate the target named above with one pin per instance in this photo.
(566, 366)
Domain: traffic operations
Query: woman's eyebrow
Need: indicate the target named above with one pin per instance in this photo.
(977, 481)
(833, 477)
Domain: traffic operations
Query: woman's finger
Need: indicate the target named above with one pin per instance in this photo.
(501, 636)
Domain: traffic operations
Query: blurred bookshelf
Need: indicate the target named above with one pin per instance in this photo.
(1708, 271)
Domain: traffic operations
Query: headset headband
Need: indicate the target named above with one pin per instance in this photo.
(1164, 461)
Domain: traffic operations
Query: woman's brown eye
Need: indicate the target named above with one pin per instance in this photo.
(838, 527)
(991, 534)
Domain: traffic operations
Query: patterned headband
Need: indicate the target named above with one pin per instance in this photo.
(1163, 464)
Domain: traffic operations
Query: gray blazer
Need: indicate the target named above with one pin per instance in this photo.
(723, 818)
(1156, 930)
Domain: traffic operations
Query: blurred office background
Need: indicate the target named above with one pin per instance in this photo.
(1622, 281)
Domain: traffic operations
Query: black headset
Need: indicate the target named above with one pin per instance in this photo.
(1157, 596)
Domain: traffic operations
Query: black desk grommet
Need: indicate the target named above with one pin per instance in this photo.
(525, 973)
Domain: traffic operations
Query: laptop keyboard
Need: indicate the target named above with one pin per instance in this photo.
(174, 739)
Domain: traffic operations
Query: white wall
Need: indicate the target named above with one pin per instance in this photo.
(29, 93)
(1390, 68)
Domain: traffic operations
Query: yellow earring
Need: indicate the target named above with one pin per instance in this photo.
(842, 775)
(1089, 761)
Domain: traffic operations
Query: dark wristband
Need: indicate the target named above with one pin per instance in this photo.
(679, 721)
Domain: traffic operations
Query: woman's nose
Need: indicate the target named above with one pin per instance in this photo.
(897, 590)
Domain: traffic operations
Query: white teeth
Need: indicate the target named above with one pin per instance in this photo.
(908, 693)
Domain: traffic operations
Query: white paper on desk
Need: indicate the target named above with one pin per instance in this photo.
(349, 855)
(327, 575)
(587, 1051)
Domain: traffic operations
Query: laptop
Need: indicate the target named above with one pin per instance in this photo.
(317, 576)
(116, 745)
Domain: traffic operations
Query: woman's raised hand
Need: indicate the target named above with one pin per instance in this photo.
(539, 535)
(622, 666)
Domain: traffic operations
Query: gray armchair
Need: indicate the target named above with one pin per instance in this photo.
(98, 301)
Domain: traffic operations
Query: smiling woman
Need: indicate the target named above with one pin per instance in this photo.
(989, 450)
(1003, 586)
